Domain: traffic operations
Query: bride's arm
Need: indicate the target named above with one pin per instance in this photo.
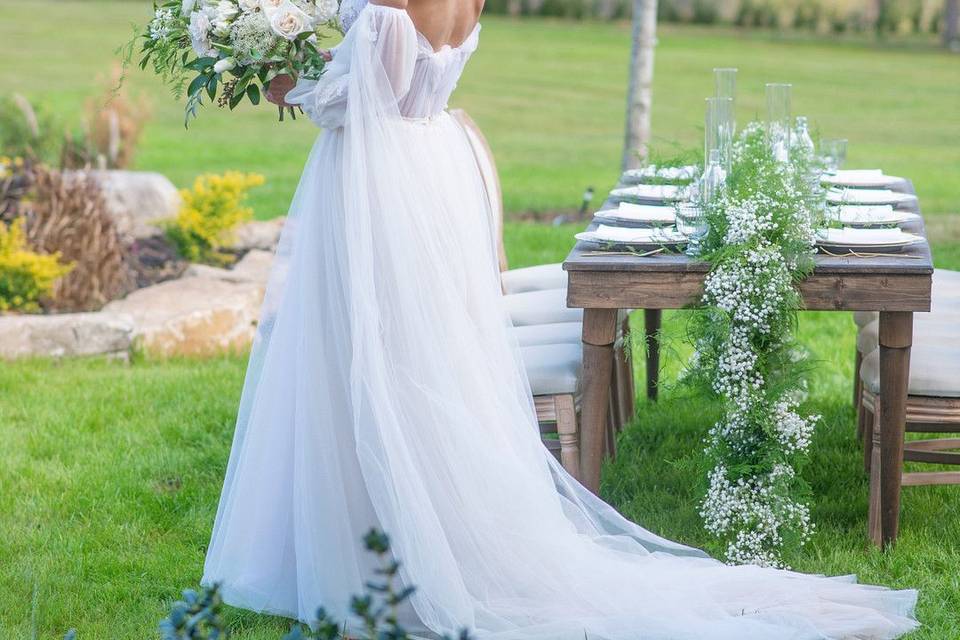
(376, 58)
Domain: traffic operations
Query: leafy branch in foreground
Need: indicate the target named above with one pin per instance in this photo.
(199, 616)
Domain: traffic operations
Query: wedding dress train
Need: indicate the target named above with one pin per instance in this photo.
(384, 390)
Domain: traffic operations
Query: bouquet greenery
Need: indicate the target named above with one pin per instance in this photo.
(233, 49)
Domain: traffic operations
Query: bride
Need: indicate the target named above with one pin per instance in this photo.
(384, 391)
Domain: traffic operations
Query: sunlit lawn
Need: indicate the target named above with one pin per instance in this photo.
(109, 473)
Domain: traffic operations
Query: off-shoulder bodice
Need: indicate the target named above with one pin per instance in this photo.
(422, 79)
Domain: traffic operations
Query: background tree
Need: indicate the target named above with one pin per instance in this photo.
(951, 24)
(640, 92)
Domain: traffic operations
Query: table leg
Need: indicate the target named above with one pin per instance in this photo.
(896, 337)
(651, 321)
(599, 333)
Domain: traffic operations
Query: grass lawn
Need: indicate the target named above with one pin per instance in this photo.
(110, 473)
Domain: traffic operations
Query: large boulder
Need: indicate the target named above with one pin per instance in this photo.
(194, 316)
(253, 267)
(138, 199)
(64, 335)
(258, 234)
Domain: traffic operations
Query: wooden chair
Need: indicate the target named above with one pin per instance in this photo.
(933, 403)
(933, 406)
(536, 301)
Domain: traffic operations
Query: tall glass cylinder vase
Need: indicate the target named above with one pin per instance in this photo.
(718, 131)
(779, 121)
(725, 83)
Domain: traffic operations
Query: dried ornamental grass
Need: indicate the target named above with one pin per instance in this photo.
(68, 215)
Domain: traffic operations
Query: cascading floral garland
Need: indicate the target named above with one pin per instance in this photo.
(759, 245)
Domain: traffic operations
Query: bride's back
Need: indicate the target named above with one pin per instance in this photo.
(443, 22)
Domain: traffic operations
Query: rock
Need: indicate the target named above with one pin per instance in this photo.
(67, 334)
(206, 271)
(138, 199)
(197, 316)
(253, 267)
(258, 234)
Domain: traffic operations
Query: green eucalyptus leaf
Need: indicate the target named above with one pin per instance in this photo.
(212, 87)
(197, 85)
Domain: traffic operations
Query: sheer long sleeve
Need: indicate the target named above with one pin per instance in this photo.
(387, 41)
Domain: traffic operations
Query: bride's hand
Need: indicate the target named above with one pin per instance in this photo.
(279, 87)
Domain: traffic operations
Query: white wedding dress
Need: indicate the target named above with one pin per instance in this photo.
(384, 391)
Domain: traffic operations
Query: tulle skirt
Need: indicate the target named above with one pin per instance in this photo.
(384, 391)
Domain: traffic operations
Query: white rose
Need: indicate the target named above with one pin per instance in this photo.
(224, 65)
(288, 21)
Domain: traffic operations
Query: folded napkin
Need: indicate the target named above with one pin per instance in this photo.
(654, 192)
(648, 213)
(860, 178)
(865, 237)
(607, 233)
(865, 214)
(867, 196)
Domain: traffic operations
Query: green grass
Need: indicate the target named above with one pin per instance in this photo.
(550, 96)
(110, 473)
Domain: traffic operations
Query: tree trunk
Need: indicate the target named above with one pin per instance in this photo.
(951, 24)
(640, 93)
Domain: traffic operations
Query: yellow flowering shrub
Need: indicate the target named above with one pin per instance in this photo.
(210, 213)
(25, 276)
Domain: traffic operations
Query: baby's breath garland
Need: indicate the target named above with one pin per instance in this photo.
(760, 244)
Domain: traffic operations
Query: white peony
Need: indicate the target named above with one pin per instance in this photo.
(288, 21)
(224, 65)
(200, 26)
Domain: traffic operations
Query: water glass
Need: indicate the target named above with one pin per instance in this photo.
(692, 223)
(779, 121)
(833, 151)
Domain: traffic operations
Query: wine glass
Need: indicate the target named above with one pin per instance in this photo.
(833, 151)
(692, 223)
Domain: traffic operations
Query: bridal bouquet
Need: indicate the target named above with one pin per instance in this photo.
(235, 47)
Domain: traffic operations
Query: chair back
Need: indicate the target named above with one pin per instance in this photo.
(491, 179)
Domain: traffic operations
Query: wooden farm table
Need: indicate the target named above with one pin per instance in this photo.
(604, 284)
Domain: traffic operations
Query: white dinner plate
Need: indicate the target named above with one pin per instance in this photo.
(649, 193)
(847, 239)
(869, 215)
(683, 174)
(632, 214)
(861, 178)
(868, 196)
